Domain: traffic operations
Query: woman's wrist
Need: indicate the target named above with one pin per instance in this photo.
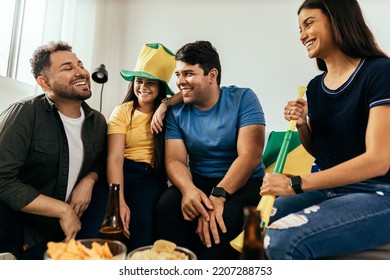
(167, 102)
(302, 125)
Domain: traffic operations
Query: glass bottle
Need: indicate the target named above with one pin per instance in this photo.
(253, 247)
(112, 227)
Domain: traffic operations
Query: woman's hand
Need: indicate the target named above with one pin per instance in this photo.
(157, 123)
(125, 216)
(296, 110)
(276, 184)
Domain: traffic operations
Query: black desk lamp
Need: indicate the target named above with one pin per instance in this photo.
(100, 76)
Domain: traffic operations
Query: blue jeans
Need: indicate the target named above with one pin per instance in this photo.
(329, 222)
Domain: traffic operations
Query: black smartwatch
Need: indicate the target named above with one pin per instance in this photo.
(219, 191)
(296, 184)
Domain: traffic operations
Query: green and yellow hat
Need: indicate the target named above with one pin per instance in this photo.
(154, 62)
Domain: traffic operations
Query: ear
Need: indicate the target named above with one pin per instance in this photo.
(213, 74)
(43, 83)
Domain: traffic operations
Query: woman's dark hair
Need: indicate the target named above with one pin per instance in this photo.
(41, 57)
(350, 31)
(159, 141)
(202, 53)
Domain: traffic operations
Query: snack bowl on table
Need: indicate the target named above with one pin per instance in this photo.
(151, 253)
(92, 249)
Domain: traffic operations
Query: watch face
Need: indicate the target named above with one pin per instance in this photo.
(216, 191)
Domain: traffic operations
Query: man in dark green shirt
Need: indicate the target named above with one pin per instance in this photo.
(52, 154)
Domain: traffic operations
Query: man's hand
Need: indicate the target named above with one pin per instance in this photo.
(50, 207)
(195, 203)
(206, 229)
(81, 196)
(70, 223)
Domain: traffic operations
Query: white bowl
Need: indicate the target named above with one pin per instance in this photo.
(191, 255)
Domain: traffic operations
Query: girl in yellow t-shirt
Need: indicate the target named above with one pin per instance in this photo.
(135, 155)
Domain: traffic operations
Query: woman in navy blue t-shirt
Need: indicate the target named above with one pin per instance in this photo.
(344, 124)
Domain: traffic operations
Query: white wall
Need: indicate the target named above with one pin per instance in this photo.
(258, 43)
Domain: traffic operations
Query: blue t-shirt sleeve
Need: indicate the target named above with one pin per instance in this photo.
(251, 111)
(172, 130)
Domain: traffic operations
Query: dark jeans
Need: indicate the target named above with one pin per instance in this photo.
(12, 236)
(142, 189)
(12, 229)
(93, 217)
(172, 226)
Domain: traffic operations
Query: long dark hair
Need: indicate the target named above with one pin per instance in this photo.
(159, 141)
(350, 31)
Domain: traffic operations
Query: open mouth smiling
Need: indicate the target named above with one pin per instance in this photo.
(309, 43)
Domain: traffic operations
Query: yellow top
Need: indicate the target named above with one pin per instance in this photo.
(139, 141)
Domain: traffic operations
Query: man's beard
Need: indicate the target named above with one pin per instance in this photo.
(68, 92)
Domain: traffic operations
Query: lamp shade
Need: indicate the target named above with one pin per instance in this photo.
(100, 74)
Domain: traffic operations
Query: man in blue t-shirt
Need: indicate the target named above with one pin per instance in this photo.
(220, 132)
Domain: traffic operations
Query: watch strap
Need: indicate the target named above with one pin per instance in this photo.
(220, 192)
(296, 184)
